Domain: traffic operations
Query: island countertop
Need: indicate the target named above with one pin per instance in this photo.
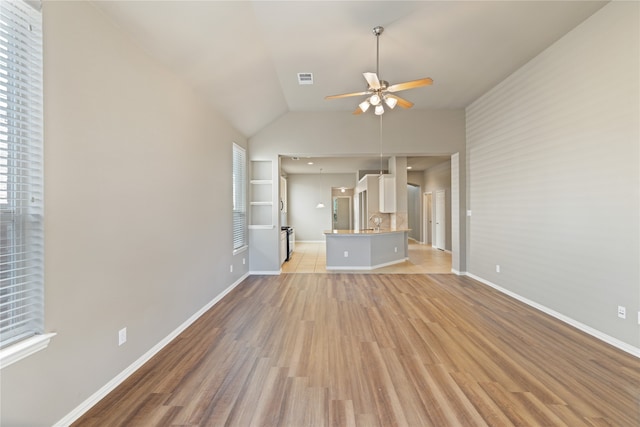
(366, 231)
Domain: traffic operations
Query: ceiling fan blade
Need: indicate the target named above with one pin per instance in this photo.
(346, 95)
(357, 111)
(401, 102)
(372, 79)
(410, 85)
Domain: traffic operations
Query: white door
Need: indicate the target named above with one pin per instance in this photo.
(427, 230)
(439, 238)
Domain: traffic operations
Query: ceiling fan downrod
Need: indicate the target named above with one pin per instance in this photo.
(377, 31)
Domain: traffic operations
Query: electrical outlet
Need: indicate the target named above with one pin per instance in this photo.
(122, 336)
(497, 268)
(231, 268)
(244, 261)
(395, 249)
(639, 318)
(346, 254)
(622, 312)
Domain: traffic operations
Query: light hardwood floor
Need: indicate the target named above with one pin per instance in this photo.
(376, 350)
(310, 257)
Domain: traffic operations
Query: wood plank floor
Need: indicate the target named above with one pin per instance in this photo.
(376, 350)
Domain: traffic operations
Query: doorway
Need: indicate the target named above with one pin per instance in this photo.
(413, 212)
(341, 213)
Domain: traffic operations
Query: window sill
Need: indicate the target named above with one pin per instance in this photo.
(240, 250)
(25, 348)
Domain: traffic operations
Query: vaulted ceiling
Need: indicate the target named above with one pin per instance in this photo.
(244, 56)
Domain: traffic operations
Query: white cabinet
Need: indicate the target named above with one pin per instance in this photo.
(387, 193)
(283, 194)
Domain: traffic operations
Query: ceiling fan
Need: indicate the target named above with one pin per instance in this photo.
(378, 91)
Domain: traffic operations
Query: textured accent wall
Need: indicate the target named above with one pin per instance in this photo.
(553, 181)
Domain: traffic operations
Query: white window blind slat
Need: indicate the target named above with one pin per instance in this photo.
(21, 164)
(239, 197)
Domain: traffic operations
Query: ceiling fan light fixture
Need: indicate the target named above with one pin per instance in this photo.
(391, 102)
(364, 105)
(378, 89)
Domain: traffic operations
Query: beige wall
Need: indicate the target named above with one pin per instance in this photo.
(137, 169)
(305, 192)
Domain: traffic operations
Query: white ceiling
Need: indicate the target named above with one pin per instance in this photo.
(244, 56)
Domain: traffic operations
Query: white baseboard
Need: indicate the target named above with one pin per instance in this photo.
(366, 267)
(118, 379)
(265, 273)
(634, 351)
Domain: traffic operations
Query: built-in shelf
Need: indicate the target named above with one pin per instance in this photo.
(261, 170)
(261, 195)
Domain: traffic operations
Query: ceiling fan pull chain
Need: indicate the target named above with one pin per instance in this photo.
(380, 137)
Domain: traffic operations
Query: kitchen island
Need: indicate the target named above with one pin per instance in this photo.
(366, 249)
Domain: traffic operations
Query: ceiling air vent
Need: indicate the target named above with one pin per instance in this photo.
(305, 78)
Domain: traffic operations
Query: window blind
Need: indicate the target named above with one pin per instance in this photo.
(239, 197)
(21, 163)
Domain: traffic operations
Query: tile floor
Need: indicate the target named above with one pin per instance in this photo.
(310, 257)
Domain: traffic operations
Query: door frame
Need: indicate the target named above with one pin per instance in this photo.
(443, 219)
(427, 214)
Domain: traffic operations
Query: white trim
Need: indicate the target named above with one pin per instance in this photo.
(24, 348)
(365, 267)
(118, 379)
(265, 273)
(634, 351)
(458, 273)
(310, 241)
